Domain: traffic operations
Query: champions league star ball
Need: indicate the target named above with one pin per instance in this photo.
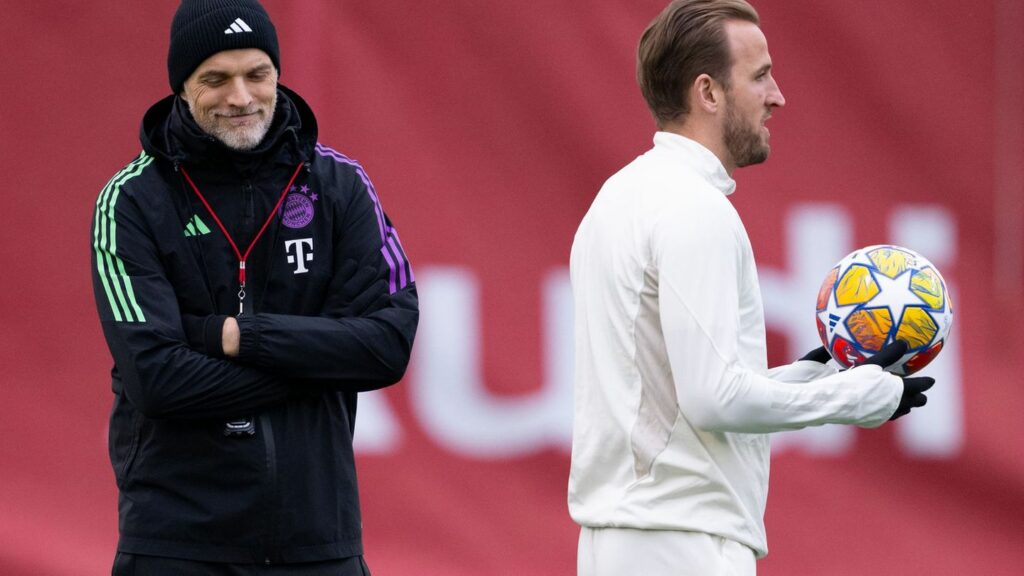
(880, 294)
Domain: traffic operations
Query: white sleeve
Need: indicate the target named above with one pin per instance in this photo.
(700, 259)
(801, 371)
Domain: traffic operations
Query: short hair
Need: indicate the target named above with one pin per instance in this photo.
(686, 40)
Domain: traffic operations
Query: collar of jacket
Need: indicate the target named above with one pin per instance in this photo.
(697, 157)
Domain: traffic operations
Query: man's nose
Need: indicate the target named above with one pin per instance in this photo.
(239, 95)
(775, 98)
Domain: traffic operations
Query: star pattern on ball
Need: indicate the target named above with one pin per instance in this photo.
(895, 294)
(877, 294)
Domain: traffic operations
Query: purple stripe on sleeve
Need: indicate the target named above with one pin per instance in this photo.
(398, 254)
(391, 264)
(408, 265)
(377, 207)
(342, 159)
(400, 268)
(403, 260)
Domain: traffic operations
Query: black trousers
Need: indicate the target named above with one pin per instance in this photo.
(139, 565)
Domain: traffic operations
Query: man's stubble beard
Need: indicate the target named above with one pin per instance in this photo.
(742, 141)
(241, 138)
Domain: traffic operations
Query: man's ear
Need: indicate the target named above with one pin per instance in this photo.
(706, 93)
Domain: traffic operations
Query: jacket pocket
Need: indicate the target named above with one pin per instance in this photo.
(133, 448)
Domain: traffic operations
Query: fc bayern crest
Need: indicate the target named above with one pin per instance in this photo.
(297, 211)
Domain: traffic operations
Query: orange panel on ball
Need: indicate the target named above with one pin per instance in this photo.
(870, 328)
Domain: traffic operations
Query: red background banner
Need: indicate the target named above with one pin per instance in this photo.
(487, 128)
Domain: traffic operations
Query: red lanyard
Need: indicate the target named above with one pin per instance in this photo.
(241, 257)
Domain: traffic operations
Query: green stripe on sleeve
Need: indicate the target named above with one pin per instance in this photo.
(101, 242)
(109, 266)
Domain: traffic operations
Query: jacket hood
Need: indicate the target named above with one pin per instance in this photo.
(169, 133)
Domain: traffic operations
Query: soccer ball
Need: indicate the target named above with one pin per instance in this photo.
(880, 294)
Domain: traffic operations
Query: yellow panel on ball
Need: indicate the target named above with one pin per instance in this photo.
(926, 284)
(856, 286)
(870, 328)
(917, 328)
(891, 261)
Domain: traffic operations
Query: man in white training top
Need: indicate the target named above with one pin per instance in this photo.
(673, 395)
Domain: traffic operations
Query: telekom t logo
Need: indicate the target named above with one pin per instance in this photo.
(299, 253)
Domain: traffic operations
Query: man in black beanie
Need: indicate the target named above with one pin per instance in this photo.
(249, 285)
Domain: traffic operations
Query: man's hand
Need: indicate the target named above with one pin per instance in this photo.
(230, 337)
(913, 388)
(913, 395)
(887, 356)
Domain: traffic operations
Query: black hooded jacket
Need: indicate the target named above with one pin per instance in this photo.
(247, 459)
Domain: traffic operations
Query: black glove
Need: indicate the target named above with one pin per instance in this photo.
(913, 388)
(819, 355)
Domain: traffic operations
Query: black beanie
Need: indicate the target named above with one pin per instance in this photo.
(201, 28)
